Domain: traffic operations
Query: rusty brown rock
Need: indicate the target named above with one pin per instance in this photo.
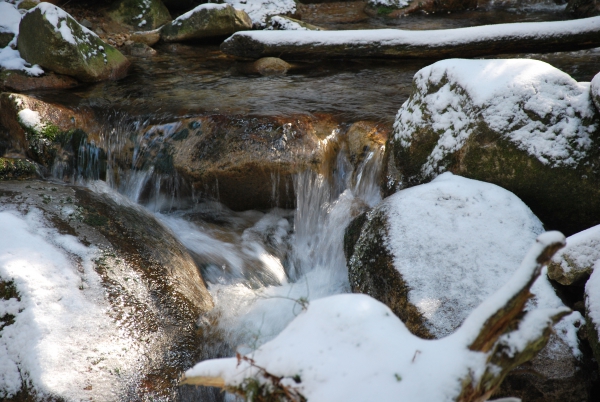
(13, 80)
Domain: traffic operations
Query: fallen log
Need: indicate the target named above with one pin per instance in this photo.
(526, 37)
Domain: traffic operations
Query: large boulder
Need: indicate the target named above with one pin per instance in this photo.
(434, 252)
(97, 299)
(141, 14)
(521, 124)
(50, 37)
(206, 21)
(573, 265)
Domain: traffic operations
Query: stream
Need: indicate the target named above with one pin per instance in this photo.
(263, 267)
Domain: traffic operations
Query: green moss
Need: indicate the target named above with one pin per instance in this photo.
(385, 10)
(8, 291)
(11, 169)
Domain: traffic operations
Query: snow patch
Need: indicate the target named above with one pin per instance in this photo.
(582, 250)
(390, 3)
(285, 24)
(207, 6)
(592, 298)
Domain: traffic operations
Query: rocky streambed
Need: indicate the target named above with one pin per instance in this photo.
(186, 204)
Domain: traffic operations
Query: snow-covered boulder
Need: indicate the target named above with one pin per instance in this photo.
(97, 299)
(142, 15)
(206, 21)
(521, 124)
(433, 252)
(260, 10)
(350, 347)
(284, 23)
(50, 37)
(574, 264)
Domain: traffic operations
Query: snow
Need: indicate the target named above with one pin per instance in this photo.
(537, 107)
(10, 59)
(207, 6)
(60, 324)
(9, 18)
(31, 119)
(259, 10)
(595, 90)
(582, 250)
(468, 235)
(439, 38)
(390, 3)
(352, 347)
(285, 24)
(592, 298)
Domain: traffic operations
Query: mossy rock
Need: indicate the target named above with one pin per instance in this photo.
(50, 37)
(550, 159)
(53, 136)
(5, 38)
(206, 21)
(142, 15)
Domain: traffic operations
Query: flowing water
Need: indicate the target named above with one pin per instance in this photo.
(263, 267)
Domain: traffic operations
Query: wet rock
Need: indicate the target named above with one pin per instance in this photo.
(583, 8)
(574, 264)
(17, 169)
(270, 66)
(141, 291)
(333, 12)
(505, 133)
(399, 8)
(284, 23)
(138, 50)
(433, 252)
(244, 162)
(6, 38)
(16, 80)
(47, 133)
(141, 14)
(53, 39)
(206, 21)
(148, 38)
(364, 136)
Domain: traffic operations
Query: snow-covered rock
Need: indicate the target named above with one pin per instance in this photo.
(283, 23)
(206, 21)
(142, 15)
(97, 299)
(351, 347)
(574, 263)
(50, 37)
(434, 252)
(399, 8)
(521, 124)
(260, 10)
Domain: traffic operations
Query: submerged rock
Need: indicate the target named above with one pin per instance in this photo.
(434, 252)
(141, 14)
(527, 127)
(16, 80)
(575, 263)
(50, 37)
(139, 50)
(109, 298)
(206, 21)
(271, 66)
